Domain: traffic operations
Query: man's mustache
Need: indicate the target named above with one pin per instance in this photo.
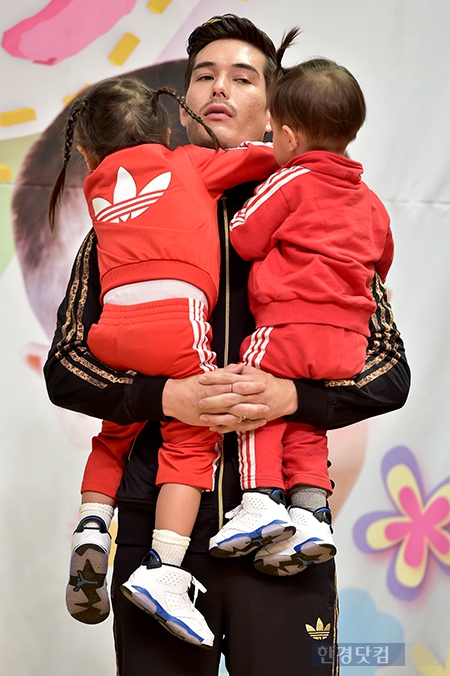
(214, 106)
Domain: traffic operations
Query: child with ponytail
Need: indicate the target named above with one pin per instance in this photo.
(318, 237)
(154, 214)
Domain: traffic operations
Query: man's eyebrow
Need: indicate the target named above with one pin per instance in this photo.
(211, 64)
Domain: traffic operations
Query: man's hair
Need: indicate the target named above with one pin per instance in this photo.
(229, 27)
(321, 99)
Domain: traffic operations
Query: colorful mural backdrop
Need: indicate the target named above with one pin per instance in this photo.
(392, 473)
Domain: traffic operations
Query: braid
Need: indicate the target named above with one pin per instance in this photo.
(58, 186)
(70, 129)
(183, 104)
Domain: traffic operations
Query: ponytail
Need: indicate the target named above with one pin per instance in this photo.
(287, 41)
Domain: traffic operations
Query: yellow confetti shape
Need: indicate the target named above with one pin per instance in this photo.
(427, 663)
(123, 49)
(68, 99)
(158, 6)
(5, 173)
(17, 116)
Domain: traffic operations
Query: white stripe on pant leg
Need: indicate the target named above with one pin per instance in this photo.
(210, 356)
(199, 329)
(251, 460)
(247, 453)
(247, 458)
(242, 444)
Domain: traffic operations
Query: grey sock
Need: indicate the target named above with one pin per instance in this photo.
(308, 497)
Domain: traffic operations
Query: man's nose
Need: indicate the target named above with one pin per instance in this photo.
(220, 88)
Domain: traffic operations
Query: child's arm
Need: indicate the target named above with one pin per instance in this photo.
(224, 169)
(253, 229)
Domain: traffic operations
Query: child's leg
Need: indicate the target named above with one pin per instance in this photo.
(261, 518)
(86, 592)
(177, 508)
(160, 586)
(305, 463)
(308, 497)
(176, 511)
(187, 462)
(261, 456)
(97, 504)
(305, 457)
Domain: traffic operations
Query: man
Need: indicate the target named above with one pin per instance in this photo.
(269, 624)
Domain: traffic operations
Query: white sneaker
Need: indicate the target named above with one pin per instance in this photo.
(161, 589)
(312, 543)
(86, 592)
(259, 520)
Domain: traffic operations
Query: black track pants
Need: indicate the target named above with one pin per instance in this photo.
(259, 621)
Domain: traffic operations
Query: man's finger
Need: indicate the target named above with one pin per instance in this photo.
(246, 426)
(248, 411)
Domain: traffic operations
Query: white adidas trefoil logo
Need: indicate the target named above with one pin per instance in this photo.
(126, 202)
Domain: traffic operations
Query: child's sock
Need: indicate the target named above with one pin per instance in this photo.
(308, 497)
(170, 546)
(105, 512)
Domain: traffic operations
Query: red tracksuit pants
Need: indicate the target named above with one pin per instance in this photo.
(283, 454)
(168, 337)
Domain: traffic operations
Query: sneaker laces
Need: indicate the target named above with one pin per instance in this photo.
(234, 512)
(197, 587)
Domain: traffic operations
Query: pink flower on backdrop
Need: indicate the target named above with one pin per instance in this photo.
(416, 530)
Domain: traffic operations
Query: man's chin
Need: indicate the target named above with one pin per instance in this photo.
(203, 139)
(227, 138)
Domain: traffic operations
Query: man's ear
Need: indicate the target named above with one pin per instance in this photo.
(292, 138)
(268, 127)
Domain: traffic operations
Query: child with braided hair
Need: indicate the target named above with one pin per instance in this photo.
(154, 212)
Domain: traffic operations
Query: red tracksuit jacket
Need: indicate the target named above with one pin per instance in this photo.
(315, 232)
(182, 186)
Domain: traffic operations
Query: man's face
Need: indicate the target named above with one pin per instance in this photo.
(228, 91)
